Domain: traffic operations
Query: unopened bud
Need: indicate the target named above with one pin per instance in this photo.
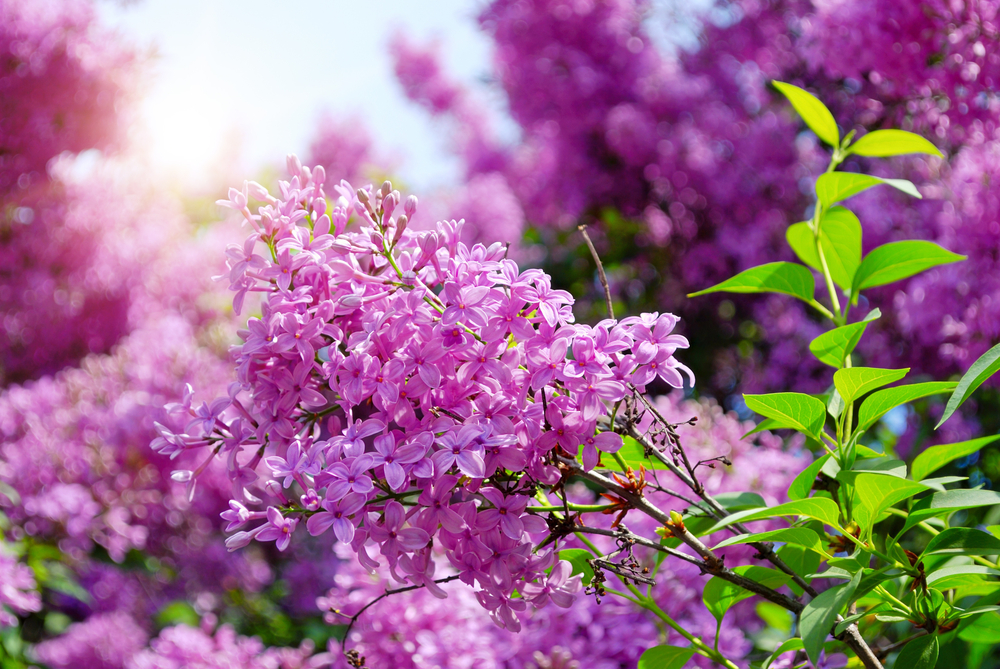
(386, 188)
(363, 196)
(400, 227)
(410, 207)
(389, 203)
(319, 175)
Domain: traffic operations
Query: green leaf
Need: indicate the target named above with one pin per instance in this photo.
(833, 347)
(802, 561)
(792, 410)
(719, 595)
(874, 493)
(777, 277)
(763, 426)
(803, 483)
(840, 239)
(800, 536)
(885, 143)
(963, 541)
(854, 382)
(813, 112)
(936, 457)
(578, 557)
(981, 369)
(921, 653)
(822, 509)
(178, 612)
(634, 455)
(737, 501)
(665, 657)
(834, 187)
(984, 629)
(883, 401)
(943, 503)
(786, 647)
(817, 618)
(899, 260)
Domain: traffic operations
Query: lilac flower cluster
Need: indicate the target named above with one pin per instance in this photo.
(413, 388)
(63, 86)
(415, 629)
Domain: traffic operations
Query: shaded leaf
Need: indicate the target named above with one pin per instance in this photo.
(813, 112)
(719, 595)
(787, 646)
(891, 142)
(665, 657)
(803, 483)
(833, 347)
(854, 382)
(817, 618)
(963, 541)
(982, 369)
(936, 457)
(921, 653)
(776, 277)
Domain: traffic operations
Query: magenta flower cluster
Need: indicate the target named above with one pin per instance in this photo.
(416, 390)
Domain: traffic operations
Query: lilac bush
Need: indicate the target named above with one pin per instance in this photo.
(693, 146)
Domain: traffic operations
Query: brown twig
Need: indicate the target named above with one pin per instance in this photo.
(354, 618)
(600, 270)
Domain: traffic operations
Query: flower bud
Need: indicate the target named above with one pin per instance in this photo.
(386, 188)
(411, 206)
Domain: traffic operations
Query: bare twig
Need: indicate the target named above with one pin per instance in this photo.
(600, 270)
(396, 591)
(883, 652)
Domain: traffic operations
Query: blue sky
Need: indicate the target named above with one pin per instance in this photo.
(236, 84)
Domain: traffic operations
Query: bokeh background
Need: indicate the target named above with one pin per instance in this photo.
(652, 122)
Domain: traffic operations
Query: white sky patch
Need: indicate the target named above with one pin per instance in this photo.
(237, 84)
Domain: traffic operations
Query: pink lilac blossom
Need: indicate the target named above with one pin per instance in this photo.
(184, 647)
(65, 86)
(103, 641)
(389, 367)
(86, 259)
(416, 629)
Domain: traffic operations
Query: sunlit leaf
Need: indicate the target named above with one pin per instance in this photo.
(776, 277)
(833, 347)
(936, 457)
(834, 187)
(883, 401)
(790, 410)
(813, 112)
(854, 382)
(891, 142)
(840, 239)
(982, 369)
(899, 260)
